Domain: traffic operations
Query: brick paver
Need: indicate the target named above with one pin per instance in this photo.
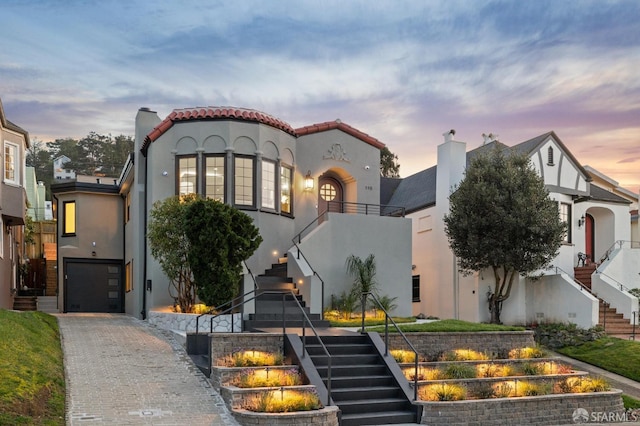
(121, 371)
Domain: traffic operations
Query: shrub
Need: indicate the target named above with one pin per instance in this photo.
(483, 390)
(526, 353)
(531, 369)
(502, 390)
(464, 355)
(444, 392)
(459, 371)
(284, 401)
(594, 384)
(403, 357)
(252, 358)
(559, 335)
(251, 378)
(524, 388)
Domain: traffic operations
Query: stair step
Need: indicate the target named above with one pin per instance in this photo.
(364, 406)
(252, 325)
(346, 349)
(267, 280)
(359, 381)
(378, 418)
(292, 316)
(359, 393)
(353, 370)
(348, 360)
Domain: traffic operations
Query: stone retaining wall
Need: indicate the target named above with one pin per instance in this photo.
(223, 376)
(238, 398)
(533, 410)
(225, 344)
(327, 416)
(432, 345)
(187, 322)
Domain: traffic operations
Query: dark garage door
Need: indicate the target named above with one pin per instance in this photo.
(93, 286)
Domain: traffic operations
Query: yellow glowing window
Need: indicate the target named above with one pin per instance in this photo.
(69, 218)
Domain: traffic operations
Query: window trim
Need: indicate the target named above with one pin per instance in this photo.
(274, 184)
(251, 206)
(291, 171)
(223, 157)
(177, 179)
(15, 163)
(568, 236)
(65, 218)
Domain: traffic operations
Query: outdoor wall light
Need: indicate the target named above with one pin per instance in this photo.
(308, 182)
(581, 221)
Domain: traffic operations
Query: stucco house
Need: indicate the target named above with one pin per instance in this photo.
(318, 185)
(13, 207)
(317, 197)
(599, 219)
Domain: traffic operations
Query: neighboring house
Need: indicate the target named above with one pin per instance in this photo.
(13, 205)
(284, 178)
(597, 218)
(59, 171)
(38, 207)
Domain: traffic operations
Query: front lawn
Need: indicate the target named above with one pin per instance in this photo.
(357, 322)
(450, 325)
(612, 354)
(32, 388)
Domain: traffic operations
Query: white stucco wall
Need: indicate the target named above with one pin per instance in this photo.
(387, 238)
(613, 277)
(557, 298)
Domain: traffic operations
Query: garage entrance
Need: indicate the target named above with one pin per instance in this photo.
(93, 286)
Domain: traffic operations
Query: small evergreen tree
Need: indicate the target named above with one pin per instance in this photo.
(501, 217)
(220, 238)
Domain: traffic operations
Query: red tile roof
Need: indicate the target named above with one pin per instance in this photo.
(337, 124)
(214, 113)
(242, 114)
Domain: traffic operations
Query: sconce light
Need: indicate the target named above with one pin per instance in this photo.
(581, 221)
(308, 182)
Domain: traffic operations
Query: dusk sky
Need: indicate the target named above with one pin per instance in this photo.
(402, 71)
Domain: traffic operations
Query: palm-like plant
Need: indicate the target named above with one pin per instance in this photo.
(363, 273)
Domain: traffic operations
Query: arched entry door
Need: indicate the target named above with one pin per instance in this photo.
(589, 235)
(330, 195)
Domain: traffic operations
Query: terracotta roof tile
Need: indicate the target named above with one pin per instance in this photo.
(337, 124)
(214, 113)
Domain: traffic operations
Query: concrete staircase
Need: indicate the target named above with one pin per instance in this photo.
(273, 286)
(48, 304)
(362, 385)
(609, 318)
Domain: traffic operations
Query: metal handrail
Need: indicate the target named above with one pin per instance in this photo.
(365, 208)
(622, 286)
(582, 286)
(217, 308)
(387, 317)
(618, 243)
(306, 320)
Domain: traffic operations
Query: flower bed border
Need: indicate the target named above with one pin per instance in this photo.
(327, 416)
(222, 376)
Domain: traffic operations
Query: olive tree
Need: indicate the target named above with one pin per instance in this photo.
(501, 218)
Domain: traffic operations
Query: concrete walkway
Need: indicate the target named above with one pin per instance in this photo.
(122, 371)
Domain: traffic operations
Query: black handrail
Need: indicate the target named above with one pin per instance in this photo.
(388, 318)
(306, 320)
(349, 207)
(217, 308)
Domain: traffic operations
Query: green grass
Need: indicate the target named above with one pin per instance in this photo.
(450, 326)
(368, 322)
(32, 388)
(616, 355)
(629, 402)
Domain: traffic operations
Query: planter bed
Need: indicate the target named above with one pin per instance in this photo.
(530, 410)
(225, 376)
(240, 398)
(327, 416)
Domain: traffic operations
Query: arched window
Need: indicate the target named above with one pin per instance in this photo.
(550, 156)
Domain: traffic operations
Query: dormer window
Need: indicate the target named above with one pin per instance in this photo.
(550, 156)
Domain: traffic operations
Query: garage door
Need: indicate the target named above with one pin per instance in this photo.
(93, 286)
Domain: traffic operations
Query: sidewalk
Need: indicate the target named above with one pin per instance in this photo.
(121, 371)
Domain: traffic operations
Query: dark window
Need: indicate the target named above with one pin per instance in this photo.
(415, 288)
(286, 183)
(565, 216)
(550, 156)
